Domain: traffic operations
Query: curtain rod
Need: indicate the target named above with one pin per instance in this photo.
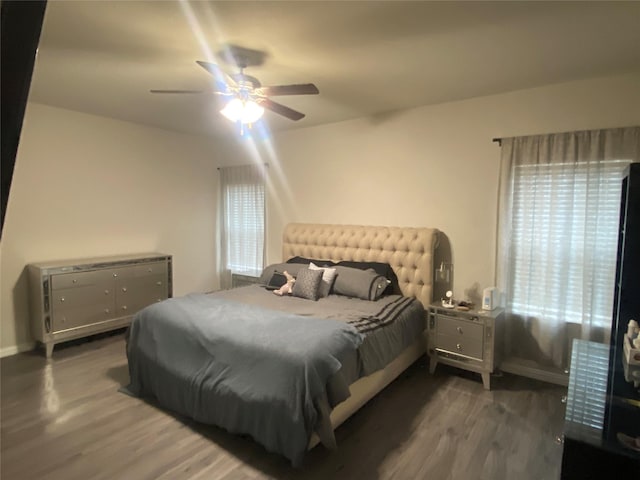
(498, 141)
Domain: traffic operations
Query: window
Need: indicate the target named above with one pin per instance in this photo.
(564, 240)
(243, 219)
(558, 238)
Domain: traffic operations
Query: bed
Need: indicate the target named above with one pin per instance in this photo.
(289, 370)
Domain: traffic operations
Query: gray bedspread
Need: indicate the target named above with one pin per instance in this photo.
(242, 367)
(389, 324)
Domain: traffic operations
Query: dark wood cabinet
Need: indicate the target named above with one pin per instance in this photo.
(603, 409)
(626, 305)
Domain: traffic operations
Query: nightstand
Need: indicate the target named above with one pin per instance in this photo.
(470, 340)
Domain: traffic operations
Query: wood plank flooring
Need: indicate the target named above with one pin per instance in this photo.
(65, 419)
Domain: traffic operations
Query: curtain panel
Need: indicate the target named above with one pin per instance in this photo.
(241, 221)
(559, 206)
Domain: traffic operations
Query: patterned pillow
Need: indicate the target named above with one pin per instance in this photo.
(307, 284)
(328, 277)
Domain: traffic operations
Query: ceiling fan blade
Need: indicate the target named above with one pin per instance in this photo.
(177, 91)
(275, 90)
(222, 79)
(280, 109)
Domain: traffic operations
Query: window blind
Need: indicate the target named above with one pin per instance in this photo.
(564, 240)
(243, 195)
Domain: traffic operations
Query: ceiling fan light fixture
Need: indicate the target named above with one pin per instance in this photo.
(242, 111)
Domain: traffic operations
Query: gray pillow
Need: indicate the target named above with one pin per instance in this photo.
(292, 268)
(364, 284)
(307, 284)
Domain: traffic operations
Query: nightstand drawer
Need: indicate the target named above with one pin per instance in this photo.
(459, 328)
(458, 344)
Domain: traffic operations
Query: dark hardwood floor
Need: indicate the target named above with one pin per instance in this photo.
(65, 419)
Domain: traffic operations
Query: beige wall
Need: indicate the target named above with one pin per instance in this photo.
(86, 185)
(91, 186)
(432, 166)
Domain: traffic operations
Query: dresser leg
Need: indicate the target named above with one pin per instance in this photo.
(433, 362)
(486, 381)
(49, 349)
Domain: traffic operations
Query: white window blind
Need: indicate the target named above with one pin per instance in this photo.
(243, 232)
(564, 240)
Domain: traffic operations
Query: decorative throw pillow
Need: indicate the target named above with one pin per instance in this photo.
(268, 271)
(380, 268)
(364, 284)
(308, 284)
(328, 277)
(277, 280)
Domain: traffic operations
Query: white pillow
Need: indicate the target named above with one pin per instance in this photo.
(328, 277)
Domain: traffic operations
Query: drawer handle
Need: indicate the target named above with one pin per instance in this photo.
(62, 299)
(459, 329)
(159, 300)
(106, 292)
(158, 283)
(106, 310)
(458, 346)
(74, 281)
(474, 319)
(150, 270)
(124, 289)
(124, 307)
(115, 274)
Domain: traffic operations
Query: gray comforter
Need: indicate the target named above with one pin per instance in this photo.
(244, 368)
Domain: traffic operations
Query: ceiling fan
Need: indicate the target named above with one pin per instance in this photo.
(248, 98)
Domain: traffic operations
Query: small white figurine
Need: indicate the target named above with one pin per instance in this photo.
(632, 329)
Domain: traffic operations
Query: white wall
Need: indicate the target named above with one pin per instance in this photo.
(90, 186)
(433, 166)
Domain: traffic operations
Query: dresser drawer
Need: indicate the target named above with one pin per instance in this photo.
(143, 270)
(460, 328)
(81, 315)
(133, 294)
(84, 295)
(134, 305)
(460, 345)
(79, 279)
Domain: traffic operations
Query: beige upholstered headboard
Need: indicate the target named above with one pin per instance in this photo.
(409, 251)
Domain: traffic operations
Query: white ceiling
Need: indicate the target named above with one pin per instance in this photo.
(366, 57)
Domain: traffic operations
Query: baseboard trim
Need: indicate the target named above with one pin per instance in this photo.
(15, 349)
(536, 373)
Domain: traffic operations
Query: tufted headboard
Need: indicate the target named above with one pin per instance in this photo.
(409, 251)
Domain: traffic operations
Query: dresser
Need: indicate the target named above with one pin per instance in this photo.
(75, 298)
(471, 340)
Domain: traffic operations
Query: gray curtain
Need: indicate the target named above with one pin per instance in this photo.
(557, 239)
